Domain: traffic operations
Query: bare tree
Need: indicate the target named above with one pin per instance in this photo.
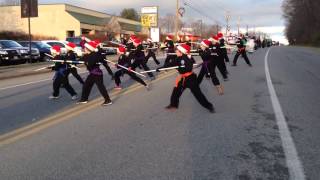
(302, 21)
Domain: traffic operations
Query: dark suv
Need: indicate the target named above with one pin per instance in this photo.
(8, 56)
(21, 54)
(42, 47)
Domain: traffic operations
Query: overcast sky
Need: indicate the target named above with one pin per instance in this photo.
(265, 15)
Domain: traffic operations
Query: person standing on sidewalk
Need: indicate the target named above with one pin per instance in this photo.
(150, 50)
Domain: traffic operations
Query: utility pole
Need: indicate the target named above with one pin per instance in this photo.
(227, 22)
(238, 24)
(177, 20)
(247, 30)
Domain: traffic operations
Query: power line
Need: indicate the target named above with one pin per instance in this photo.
(191, 6)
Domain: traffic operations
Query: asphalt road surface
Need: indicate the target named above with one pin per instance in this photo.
(136, 138)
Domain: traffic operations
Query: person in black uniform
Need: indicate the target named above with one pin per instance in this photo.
(102, 53)
(130, 47)
(139, 58)
(224, 52)
(217, 57)
(92, 60)
(170, 46)
(71, 55)
(60, 77)
(187, 79)
(124, 61)
(208, 66)
(241, 51)
(150, 50)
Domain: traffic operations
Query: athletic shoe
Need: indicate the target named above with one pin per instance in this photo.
(152, 78)
(226, 79)
(212, 110)
(117, 88)
(147, 87)
(233, 65)
(171, 108)
(106, 103)
(82, 102)
(53, 97)
(74, 97)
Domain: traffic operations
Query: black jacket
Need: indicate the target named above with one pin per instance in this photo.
(123, 60)
(185, 61)
(170, 46)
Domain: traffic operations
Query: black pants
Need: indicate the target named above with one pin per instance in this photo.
(244, 55)
(74, 72)
(221, 65)
(151, 54)
(169, 58)
(225, 55)
(210, 69)
(141, 62)
(87, 86)
(191, 83)
(62, 80)
(121, 72)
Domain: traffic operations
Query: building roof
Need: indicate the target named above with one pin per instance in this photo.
(88, 19)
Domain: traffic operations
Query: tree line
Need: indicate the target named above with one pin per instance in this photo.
(302, 21)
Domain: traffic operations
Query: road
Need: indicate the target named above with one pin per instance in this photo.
(136, 138)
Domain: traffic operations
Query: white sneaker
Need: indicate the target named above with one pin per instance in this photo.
(53, 97)
(106, 103)
(147, 87)
(82, 102)
(74, 97)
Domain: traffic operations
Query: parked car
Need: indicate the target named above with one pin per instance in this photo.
(8, 56)
(56, 43)
(78, 49)
(22, 53)
(42, 47)
(109, 50)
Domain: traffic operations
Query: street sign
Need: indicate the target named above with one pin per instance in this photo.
(149, 16)
(29, 8)
(155, 34)
(149, 10)
(149, 20)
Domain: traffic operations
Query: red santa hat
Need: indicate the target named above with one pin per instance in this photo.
(185, 49)
(206, 43)
(55, 49)
(133, 37)
(121, 50)
(220, 35)
(169, 37)
(92, 46)
(214, 38)
(70, 46)
(137, 41)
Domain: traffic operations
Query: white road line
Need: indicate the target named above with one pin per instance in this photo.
(29, 83)
(294, 164)
(18, 85)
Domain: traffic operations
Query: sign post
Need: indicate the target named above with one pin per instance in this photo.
(149, 18)
(29, 8)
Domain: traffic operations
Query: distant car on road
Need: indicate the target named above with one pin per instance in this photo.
(22, 53)
(42, 47)
(56, 43)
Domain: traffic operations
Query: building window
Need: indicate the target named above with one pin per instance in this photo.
(70, 33)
